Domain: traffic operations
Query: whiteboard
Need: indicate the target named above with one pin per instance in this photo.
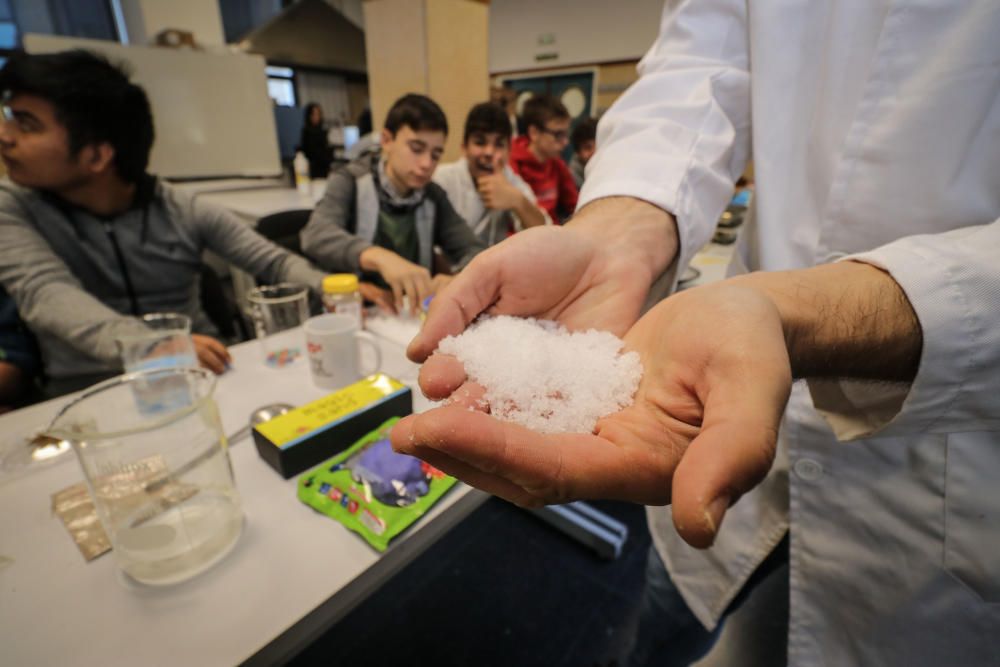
(211, 111)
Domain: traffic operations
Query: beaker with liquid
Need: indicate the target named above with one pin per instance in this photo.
(278, 313)
(164, 343)
(161, 480)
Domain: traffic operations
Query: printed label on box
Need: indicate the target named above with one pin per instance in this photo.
(294, 424)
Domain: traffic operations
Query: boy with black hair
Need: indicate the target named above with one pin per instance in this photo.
(89, 241)
(584, 140)
(381, 215)
(536, 155)
(506, 97)
(482, 187)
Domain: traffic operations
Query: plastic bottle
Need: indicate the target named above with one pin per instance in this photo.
(341, 295)
(301, 166)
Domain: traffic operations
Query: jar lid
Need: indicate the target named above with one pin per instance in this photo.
(340, 283)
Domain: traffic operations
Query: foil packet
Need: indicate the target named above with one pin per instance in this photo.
(372, 490)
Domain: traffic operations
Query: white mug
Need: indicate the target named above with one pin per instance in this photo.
(334, 357)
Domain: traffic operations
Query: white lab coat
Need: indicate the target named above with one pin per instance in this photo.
(873, 121)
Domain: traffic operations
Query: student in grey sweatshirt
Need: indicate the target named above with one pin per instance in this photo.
(382, 216)
(89, 240)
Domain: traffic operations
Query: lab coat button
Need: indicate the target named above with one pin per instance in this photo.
(808, 470)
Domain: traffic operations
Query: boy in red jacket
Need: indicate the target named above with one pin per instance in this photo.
(535, 156)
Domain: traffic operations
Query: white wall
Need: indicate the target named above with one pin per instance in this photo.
(327, 90)
(211, 111)
(584, 31)
(145, 18)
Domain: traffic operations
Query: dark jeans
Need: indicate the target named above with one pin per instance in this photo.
(668, 633)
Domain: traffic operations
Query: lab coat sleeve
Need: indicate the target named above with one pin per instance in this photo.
(679, 137)
(953, 283)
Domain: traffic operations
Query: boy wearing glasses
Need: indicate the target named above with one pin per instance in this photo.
(482, 187)
(536, 156)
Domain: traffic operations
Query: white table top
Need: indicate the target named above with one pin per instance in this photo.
(228, 184)
(292, 574)
(253, 204)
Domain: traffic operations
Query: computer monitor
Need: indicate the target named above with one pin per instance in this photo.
(351, 136)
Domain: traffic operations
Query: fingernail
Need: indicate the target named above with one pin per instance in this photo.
(714, 513)
(405, 447)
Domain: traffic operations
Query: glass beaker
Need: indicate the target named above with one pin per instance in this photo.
(278, 313)
(161, 481)
(166, 342)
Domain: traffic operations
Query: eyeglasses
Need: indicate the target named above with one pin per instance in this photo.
(21, 123)
(558, 135)
(8, 113)
(9, 117)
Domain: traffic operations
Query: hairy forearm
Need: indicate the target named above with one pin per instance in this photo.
(633, 230)
(847, 319)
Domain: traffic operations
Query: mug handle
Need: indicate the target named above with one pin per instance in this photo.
(365, 337)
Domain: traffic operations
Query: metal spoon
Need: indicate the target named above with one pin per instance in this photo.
(259, 416)
(35, 449)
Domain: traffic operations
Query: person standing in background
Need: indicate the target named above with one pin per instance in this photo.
(314, 143)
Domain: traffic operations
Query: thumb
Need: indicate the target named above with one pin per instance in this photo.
(459, 303)
(732, 453)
